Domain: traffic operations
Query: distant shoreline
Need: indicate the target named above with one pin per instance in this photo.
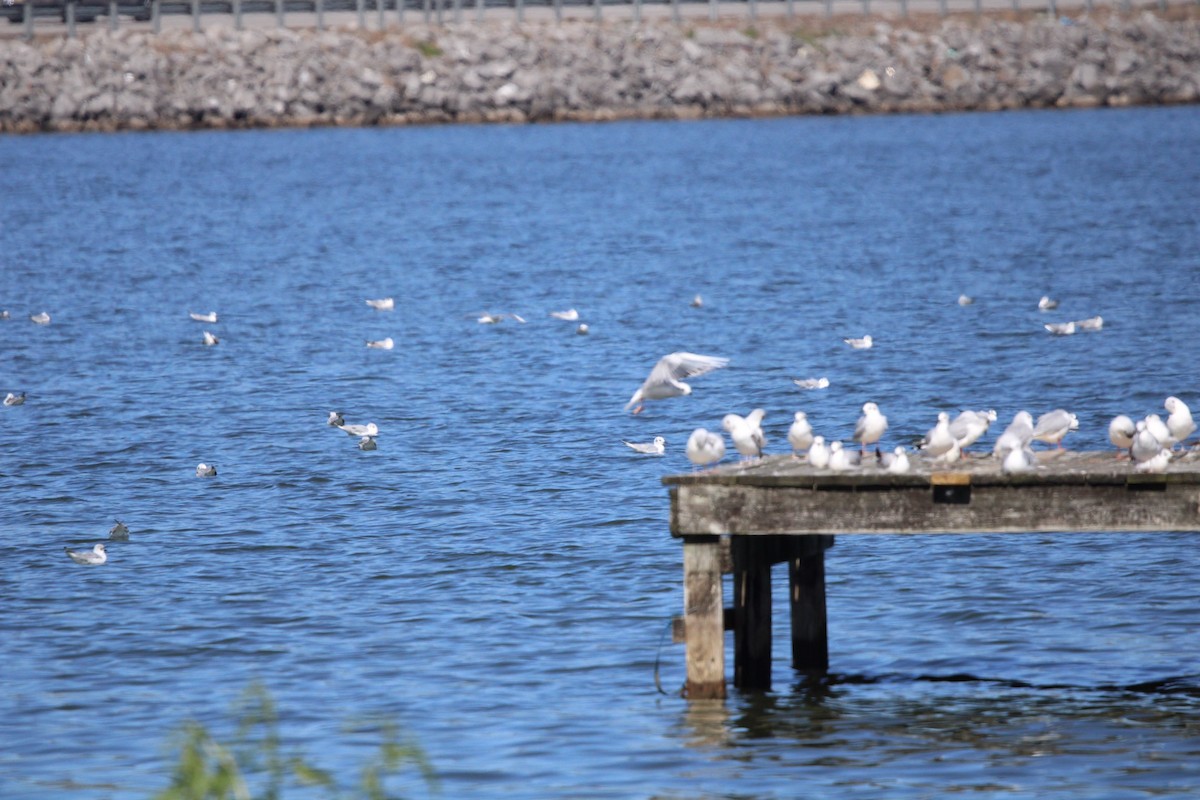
(582, 70)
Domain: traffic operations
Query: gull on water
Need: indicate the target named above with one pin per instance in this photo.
(1046, 304)
(1145, 445)
(383, 304)
(210, 340)
(570, 315)
(1179, 423)
(1090, 324)
(1157, 463)
(811, 383)
(1060, 328)
(1159, 430)
(381, 344)
(1121, 432)
(336, 419)
(1019, 459)
(704, 447)
(655, 448)
(697, 302)
(96, 555)
(494, 319)
(666, 379)
(583, 329)
(209, 317)
(367, 443)
(746, 432)
(870, 426)
(370, 429)
(14, 399)
(1017, 435)
(939, 441)
(865, 343)
(205, 470)
(1052, 426)
(800, 434)
(41, 319)
(818, 453)
(965, 300)
(119, 532)
(969, 426)
(4, 315)
(895, 462)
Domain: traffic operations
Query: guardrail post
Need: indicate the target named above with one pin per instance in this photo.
(112, 15)
(440, 5)
(156, 15)
(28, 13)
(791, 9)
(425, 10)
(903, 8)
(1053, 9)
(479, 10)
(379, 4)
(828, 8)
(520, 10)
(558, 11)
(675, 11)
(362, 14)
(942, 7)
(712, 10)
(196, 16)
(866, 4)
(457, 11)
(319, 7)
(279, 14)
(598, 9)
(752, 8)
(237, 15)
(70, 19)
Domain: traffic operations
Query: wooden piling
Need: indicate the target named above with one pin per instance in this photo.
(806, 595)
(703, 616)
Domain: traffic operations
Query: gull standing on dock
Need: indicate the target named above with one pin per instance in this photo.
(655, 448)
(800, 434)
(1159, 430)
(969, 426)
(746, 433)
(1156, 463)
(1180, 422)
(704, 448)
(666, 379)
(1145, 445)
(865, 343)
(939, 441)
(841, 459)
(383, 304)
(209, 317)
(1019, 459)
(1052, 426)
(870, 427)
(1016, 436)
(96, 555)
(818, 454)
(1121, 432)
(895, 462)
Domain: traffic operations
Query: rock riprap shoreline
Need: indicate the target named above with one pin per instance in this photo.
(504, 72)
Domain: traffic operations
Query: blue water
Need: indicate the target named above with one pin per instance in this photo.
(497, 576)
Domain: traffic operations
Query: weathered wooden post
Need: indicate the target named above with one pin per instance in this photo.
(752, 557)
(703, 617)
(806, 595)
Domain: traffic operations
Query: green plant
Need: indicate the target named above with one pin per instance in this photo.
(209, 770)
(429, 48)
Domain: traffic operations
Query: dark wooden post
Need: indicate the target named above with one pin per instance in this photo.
(752, 556)
(703, 617)
(806, 592)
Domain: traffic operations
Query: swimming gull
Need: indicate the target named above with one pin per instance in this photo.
(367, 443)
(704, 447)
(210, 340)
(865, 343)
(655, 448)
(818, 453)
(666, 379)
(800, 434)
(1121, 432)
(96, 555)
(965, 300)
(119, 532)
(697, 302)
(570, 315)
(336, 419)
(811, 383)
(209, 317)
(382, 344)
(1052, 426)
(41, 319)
(1060, 328)
(1046, 304)
(383, 304)
(14, 399)
(205, 470)
(370, 429)
(1017, 435)
(494, 319)
(746, 432)
(1180, 422)
(1090, 324)
(583, 329)
(870, 426)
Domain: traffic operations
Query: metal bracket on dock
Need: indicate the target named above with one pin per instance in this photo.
(953, 488)
(1146, 482)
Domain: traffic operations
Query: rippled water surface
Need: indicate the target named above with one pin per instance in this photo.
(497, 576)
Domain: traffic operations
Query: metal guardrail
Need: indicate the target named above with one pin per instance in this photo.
(74, 12)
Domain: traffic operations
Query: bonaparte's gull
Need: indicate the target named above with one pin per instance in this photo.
(1090, 324)
(1180, 422)
(800, 434)
(1157, 463)
(205, 470)
(1145, 445)
(666, 379)
(41, 319)
(864, 343)
(895, 462)
(1016, 436)
(14, 399)
(383, 304)
(1046, 304)
(119, 532)
(969, 426)
(965, 300)
(818, 453)
(655, 448)
(367, 443)
(811, 383)
(336, 419)
(583, 329)
(370, 429)
(697, 302)
(1019, 459)
(1052, 426)
(381, 344)
(1159, 430)
(704, 448)
(939, 441)
(746, 432)
(210, 340)
(1121, 432)
(96, 555)
(870, 426)
(570, 315)
(209, 317)
(1060, 328)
